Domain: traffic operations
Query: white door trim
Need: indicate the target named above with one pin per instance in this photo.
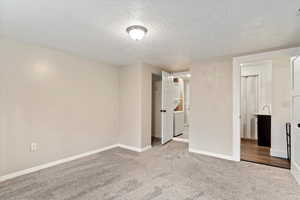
(236, 80)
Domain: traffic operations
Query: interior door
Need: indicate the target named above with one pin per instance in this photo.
(296, 114)
(296, 75)
(167, 107)
(296, 131)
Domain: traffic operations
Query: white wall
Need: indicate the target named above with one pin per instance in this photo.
(66, 104)
(211, 107)
(281, 106)
(130, 106)
(146, 82)
(69, 105)
(135, 105)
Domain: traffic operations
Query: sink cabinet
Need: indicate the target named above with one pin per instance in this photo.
(264, 130)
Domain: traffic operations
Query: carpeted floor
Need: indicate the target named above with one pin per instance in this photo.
(164, 172)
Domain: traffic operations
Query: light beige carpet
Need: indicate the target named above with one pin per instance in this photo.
(164, 172)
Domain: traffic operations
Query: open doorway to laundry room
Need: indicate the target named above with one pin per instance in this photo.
(182, 110)
(170, 107)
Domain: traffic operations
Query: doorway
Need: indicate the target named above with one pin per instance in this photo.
(256, 117)
(285, 100)
(182, 110)
(170, 107)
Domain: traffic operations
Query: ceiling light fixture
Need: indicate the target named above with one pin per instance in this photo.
(136, 32)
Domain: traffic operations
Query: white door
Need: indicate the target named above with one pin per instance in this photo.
(296, 117)
(296, 75)
(296, 131)
(249, 96)
(167, 107)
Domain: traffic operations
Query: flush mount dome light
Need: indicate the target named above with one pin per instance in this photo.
(136, 32)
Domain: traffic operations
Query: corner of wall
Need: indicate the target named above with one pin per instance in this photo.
(119, 106)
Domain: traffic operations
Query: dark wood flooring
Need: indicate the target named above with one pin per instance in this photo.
(250, 151)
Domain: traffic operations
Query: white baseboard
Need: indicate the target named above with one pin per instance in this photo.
(131, 148)
(180, 140)
(278, 153)
(216, 155)
(64, 160)
(136, 149)
(54, 163)
(295, 170)
(146, 148)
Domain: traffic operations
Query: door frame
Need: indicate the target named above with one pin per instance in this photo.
(236, 86)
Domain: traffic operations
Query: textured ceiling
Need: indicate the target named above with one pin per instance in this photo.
(180, 32)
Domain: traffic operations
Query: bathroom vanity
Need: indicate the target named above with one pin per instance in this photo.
(263, 129)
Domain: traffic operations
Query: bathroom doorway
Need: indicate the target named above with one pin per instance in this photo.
(256, 115)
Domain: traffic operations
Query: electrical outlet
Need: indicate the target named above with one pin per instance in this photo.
(33, 147)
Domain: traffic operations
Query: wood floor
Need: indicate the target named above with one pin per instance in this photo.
(250, 151)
